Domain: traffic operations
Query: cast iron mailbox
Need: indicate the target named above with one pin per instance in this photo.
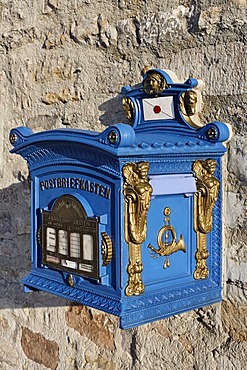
(128, 221)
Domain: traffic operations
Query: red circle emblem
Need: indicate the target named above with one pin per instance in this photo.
(157, 109)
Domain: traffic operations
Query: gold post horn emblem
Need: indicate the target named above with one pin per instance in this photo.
(167, 247)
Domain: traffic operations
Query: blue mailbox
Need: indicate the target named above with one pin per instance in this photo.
(128, 221)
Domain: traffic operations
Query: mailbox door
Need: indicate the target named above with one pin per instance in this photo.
(169, 249)
(73, 223)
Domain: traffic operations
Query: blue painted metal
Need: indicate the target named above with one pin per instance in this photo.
(62, 161)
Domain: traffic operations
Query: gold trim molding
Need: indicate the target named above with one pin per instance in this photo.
(128, 107)
(204, 201)
(137, 195)
(106, 249)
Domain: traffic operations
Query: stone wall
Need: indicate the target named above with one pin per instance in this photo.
(63, 63)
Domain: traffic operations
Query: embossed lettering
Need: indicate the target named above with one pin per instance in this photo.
(86, 185)
(42, 185)
(92, 187)
(107, 193)
(72, 183)
(76, 183)
(64, 183)
(101, 191)
(96, 188)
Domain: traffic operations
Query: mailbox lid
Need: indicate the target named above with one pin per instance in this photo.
(119, 140)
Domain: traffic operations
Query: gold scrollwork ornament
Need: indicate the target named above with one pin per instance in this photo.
(204, 201)
(128, 107)
(137, 195)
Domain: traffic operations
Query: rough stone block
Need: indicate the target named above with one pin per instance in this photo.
(39, 349)
(234, 319)
(97, 327)
(6, 227)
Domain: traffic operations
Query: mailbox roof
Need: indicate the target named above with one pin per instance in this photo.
(127, 142)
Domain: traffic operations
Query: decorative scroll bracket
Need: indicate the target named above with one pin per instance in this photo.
(204, 200)
(137, 195)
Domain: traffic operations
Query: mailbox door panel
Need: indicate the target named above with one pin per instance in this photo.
(73, 241)
(168, 252)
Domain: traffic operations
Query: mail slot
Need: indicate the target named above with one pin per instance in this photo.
(128, 220)
(173, 184)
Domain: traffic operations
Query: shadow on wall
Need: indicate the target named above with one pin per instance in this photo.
(15, 261)
(113, 112)
(15, 232)
(15, 250)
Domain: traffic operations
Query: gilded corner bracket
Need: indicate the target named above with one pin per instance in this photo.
(204, 200)
(137, 195)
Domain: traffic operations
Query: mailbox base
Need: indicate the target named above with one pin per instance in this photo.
(132, 311)
(104, 302)
(158, 311)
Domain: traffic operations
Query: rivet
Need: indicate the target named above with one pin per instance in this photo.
(13, 138)
(167, 211)
(112, 137)
(71, 282)
(212, 133)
